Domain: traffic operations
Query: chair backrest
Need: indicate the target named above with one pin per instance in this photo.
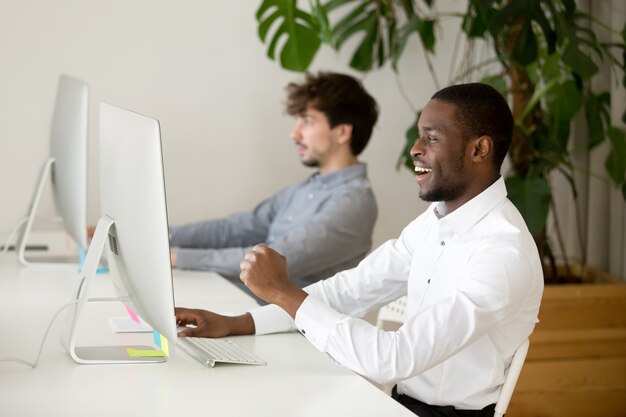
(394, 311)
(511, 379)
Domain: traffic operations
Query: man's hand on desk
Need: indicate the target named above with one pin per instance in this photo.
(264, 272)
(208, 324)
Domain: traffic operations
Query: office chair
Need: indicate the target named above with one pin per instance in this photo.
(511, 379)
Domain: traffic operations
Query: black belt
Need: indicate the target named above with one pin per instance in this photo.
(426, 410)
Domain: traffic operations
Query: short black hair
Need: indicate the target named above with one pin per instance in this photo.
(341, 98)
(481, 110)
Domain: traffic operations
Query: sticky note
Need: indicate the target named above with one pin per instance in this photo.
(143, 353)
(132, 314)
(161, 342)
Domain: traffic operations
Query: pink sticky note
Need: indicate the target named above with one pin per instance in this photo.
(132, 314)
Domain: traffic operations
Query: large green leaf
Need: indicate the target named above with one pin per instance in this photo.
(546, 26)
(341, 28)
(300, 28)
(498, 20)
(551, 68)
(498, 82)
(616, 161)
(425, 29)
(525, 50)
(475, 20)
(321, 13)
(531, 196)
(598, 116)
(363, 57)
(363, 18)
(560, 129)
(579, 62)
(570, 5)
(427, 33)
(564, 100)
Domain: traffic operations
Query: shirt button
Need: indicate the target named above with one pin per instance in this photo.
(443, 243)
(428, 281)
(290, 218)
(310, 196)
(303, 331)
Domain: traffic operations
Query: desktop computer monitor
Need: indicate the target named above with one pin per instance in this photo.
(133, 230)
(66, 166)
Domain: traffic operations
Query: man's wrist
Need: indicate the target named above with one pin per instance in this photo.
(291, 300)
(244, 325)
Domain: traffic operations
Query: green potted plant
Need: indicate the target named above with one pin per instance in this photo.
(545, 54)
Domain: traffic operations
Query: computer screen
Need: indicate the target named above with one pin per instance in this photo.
(66, 165)
(133, 227)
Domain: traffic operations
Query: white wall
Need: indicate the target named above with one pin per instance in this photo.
(199, 67)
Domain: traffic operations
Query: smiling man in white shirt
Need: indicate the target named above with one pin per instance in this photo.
(468, 265)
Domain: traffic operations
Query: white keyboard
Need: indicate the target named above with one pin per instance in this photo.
(211, 351)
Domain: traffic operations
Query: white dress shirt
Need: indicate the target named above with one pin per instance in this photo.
(474, 284)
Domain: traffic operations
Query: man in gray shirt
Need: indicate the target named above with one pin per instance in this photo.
(322, 225)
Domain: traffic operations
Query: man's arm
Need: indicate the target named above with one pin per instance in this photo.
(238, 229)
(219, 245)
(207, 324)
(223, 261)
(264, 271)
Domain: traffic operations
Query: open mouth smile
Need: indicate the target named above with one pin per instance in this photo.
(422, 174)
(422, 171)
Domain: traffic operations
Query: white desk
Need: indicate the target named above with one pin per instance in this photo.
(298, 380)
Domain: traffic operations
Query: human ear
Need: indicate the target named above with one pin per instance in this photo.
(344, 133)
(482, 148)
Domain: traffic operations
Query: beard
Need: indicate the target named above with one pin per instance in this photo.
(448, 191)
(451, 185)
(311, 163)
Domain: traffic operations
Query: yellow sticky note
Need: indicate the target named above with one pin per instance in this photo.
(142, 353)
(160, 341)
(164, 346)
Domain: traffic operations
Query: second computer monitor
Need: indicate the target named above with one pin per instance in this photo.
(134, 230)
(66, 168)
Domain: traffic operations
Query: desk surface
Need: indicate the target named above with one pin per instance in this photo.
(298, 380)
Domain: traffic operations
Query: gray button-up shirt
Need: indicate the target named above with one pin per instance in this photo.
(322, 225)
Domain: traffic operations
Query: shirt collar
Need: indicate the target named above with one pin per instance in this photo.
(466, 216)
(341, 176)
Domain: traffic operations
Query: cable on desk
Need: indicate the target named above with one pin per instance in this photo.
(43, 341)
(11, 235)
